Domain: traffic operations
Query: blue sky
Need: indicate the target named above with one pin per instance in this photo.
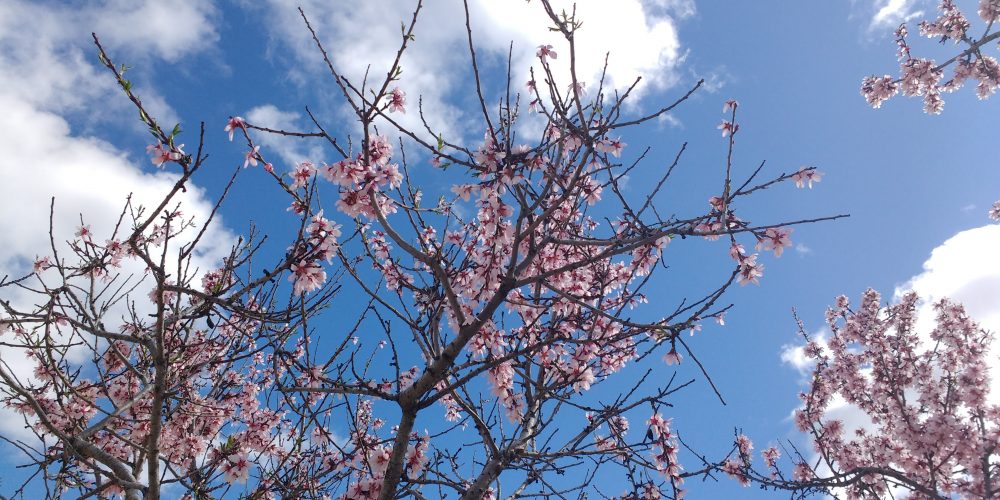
(910, 181)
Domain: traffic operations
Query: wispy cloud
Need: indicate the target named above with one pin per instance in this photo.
(642, 39)
(890, 13)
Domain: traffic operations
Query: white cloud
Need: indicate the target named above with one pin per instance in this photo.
(680, 9)
(965, 269)
(890, 13)
(53, 65)
(669, 119)
(642, 39)
(291, 150)
(166, 29)
(795, 355)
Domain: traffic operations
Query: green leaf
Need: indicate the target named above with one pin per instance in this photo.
(440, 141)
(176, 131)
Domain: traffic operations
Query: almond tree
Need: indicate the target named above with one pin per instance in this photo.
(928, 426)
(476, 328)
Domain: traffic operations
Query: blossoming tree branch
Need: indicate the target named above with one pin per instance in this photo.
(930, 427)
(393, 346)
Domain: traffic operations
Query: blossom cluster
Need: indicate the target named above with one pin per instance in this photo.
(926, 396)
(923, 77)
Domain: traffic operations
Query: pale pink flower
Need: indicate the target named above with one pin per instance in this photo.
(728, 128)
(161, 153)
(750, 270)
(42, 264)
(251, 157)
(734, 470)
(989, 10)
(545, 51)
(306, 277)
(611, 146)
(236, 468)
(877, 90)
(301, 175)
(234, 123)
(806, 177)
(397, 101)
(744, 444)
(463, 190)
(802, 472)
(770, 456)
(673, 357)
(84, 232)
(995, 211)
(775, 239)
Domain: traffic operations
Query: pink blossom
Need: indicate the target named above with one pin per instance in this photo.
(733, 469)
(236, 468)
(613, 147)
(802, 472)
(673, 357)
(41, 264)
(989, 10)
(84, 232)
(806, 176)
(398, 100)
(744, 445)
(463, 190)
(721, 319)
(234, 123)
(994, 212)
(770, 456)
(161, 153)
(728, 128)
(545, 51)
(750, 271)
(877, 90)
(307, 277)
(302, 174)
(775, 239)
(251, 157)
